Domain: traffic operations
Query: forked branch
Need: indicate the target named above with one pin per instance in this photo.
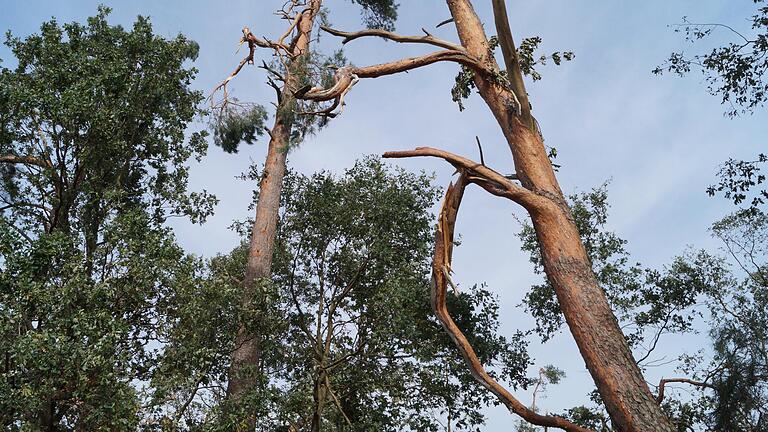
(441, 268)
(345, 77)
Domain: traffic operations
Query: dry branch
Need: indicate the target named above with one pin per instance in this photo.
(26, 160)
(483, 176)
(426, 39)
(441, 267)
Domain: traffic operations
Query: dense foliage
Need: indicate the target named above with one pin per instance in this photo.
(351, 342)
(93, 150)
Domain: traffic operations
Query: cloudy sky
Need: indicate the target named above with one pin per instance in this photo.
(659, 140)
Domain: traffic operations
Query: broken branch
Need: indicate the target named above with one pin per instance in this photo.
(665, 381)
(481, 175)
(441, 264)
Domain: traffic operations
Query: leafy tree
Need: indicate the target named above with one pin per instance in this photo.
(295, 66)
(350, 342)
(92, 157)
(736, 72)
(568, 267)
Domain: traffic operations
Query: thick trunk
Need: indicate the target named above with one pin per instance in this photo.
(244, 371)
(594, 327)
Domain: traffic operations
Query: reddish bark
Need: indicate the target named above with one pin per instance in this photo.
(246, 358)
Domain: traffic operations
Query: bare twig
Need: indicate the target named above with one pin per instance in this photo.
(442, 23)
(426, 39)
(480, 147)
(666, 381)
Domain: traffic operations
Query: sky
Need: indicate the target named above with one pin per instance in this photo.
(658, 140)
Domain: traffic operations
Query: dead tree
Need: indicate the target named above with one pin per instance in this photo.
(583, 302)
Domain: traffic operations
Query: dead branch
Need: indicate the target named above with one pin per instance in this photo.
(481, 175)
(665, 381)
(441, 265)
(346, 77)
(442, 23)
(253, 42)
(512, 62)
(426, 39)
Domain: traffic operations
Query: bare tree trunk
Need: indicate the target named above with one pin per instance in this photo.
(594, 327)
(246, 359)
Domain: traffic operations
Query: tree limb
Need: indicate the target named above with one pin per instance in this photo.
(665, 381)
(441, 263)
(426, 39)
(512, 62)
(481, 175)
(26, 160)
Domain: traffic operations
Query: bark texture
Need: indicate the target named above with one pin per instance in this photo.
(246, 358)
(595, 329)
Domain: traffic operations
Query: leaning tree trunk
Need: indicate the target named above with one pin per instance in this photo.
(583, 302)
(246, 359)
(595, 329)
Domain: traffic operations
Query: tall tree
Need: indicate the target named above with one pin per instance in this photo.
(350, 343)
(593, 325)
(93, 160)
(293, 120)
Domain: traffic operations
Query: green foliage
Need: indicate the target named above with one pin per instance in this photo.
(738, 178)
(93, 139)
(648, 302)
(348, 321)
(739, 368)
(465, 80)
(235, 125)
(735, 71)
(528, 61)
(379, 14)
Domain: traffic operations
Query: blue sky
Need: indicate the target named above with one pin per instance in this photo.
(659, 140)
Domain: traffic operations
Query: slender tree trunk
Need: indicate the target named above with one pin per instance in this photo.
(320, 397)
(594, 327)
(246, 359)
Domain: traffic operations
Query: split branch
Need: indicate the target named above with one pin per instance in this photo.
(347, 76)
(441, 267)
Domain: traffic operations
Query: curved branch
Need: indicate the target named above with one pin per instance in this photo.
(426, 39)
(345, 76)
(481, 175)
(441, 264)
(665, 381)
